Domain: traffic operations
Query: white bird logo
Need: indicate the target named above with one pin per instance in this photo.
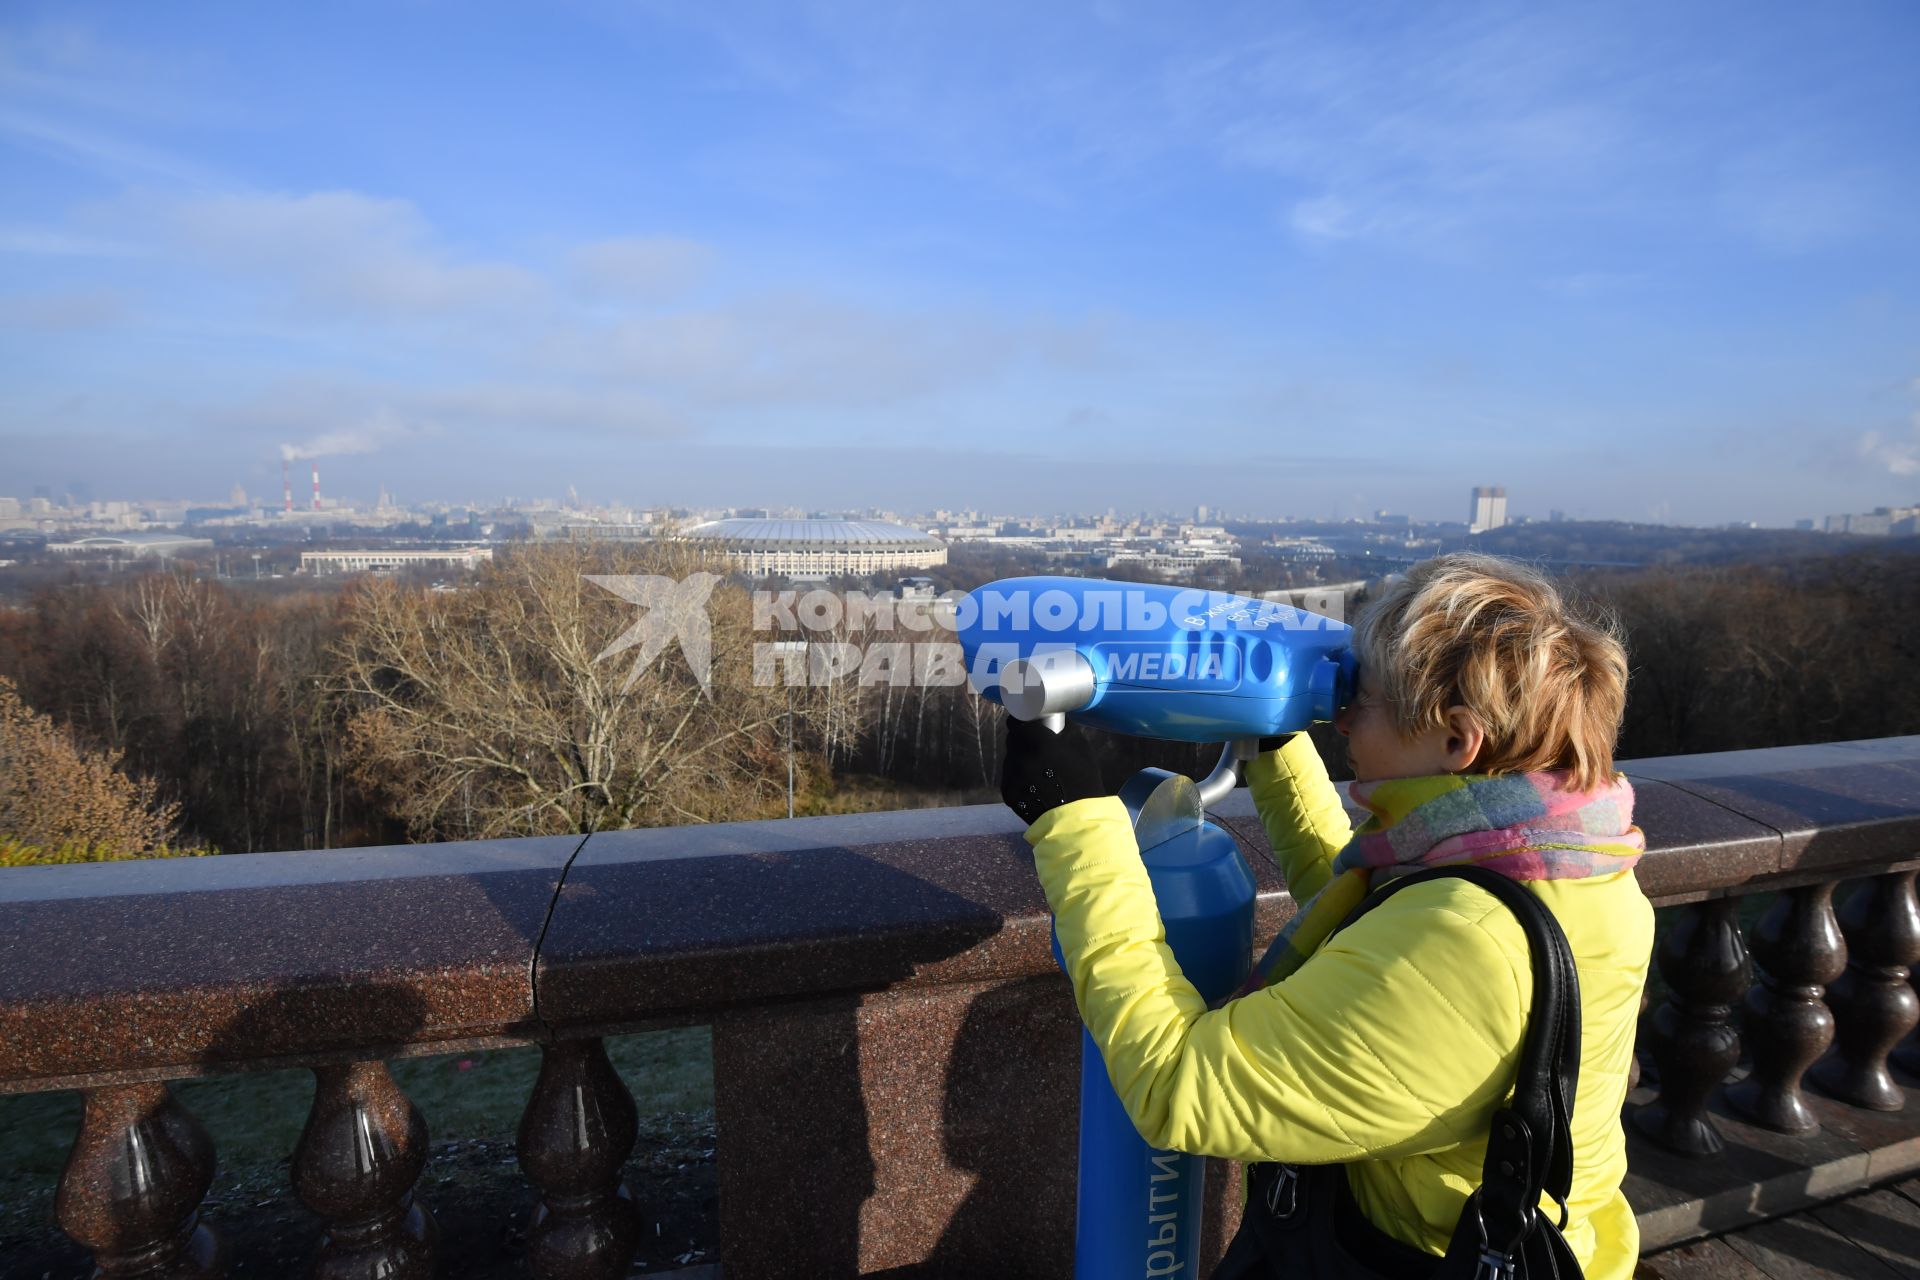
(676, 609)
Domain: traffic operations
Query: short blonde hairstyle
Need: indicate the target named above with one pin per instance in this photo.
(1547, 683)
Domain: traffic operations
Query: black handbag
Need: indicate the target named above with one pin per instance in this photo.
(1301, 1221)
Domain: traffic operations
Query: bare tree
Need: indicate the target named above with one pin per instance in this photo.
(497, 709)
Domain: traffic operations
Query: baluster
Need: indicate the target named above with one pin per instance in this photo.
(1873, 1004)
(1692, 1037)
(132, 1186)
(1787, 1025)
(355, 1166)
(575, 1137)
(1906, 1055)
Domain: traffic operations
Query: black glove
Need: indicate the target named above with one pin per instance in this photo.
(1043, 770)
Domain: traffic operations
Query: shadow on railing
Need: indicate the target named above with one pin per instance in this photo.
(895, 1057)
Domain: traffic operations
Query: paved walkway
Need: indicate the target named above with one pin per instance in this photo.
(1873, 1235)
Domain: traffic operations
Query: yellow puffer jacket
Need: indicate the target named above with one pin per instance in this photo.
(1388, 1050)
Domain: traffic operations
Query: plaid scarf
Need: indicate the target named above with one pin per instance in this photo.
(1525, 825)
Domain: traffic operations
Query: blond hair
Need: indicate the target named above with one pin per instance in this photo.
(1547, 683)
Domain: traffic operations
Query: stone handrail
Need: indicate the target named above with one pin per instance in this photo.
(885, 1009)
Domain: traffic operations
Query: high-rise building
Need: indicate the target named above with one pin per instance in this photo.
(1489, 508)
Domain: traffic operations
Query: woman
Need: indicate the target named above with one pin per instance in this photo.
(1482, 733)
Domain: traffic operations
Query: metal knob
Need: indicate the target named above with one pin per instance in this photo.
(1046, 684)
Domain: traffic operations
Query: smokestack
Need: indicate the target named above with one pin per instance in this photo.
(316, 486)
(286, 482)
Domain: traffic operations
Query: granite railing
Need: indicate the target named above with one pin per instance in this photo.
(895, 1056)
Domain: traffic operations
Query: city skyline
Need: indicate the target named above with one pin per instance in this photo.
(79, 509)
(1630, 264)
(79, 494)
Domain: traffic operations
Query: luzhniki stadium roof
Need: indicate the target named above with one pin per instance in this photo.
(811, 535)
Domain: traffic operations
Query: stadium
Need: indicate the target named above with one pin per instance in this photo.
(162, 545)
(819, 548)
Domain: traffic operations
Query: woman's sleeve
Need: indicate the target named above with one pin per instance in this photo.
(1337, 1062)
(1301, 812)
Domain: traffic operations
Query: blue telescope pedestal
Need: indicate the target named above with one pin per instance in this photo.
(1158, 661)
(1139, 1209)
(1193, 666)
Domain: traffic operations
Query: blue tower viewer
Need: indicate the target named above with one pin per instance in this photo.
(1163, 662)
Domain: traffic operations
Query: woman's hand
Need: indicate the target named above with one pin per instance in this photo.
(1042, 770)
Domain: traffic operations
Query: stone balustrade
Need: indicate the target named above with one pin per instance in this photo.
(895, 1057)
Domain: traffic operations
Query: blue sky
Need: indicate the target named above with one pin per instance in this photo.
(1633, 261)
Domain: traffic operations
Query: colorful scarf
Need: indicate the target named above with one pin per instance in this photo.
(1525, 825)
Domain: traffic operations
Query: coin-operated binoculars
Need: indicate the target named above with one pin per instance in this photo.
(1192, 666)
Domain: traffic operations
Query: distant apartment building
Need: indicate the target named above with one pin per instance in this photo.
(968, 530)
(1489, 509)
(1301, 549)
(1181, 562)
(599, 530)
(1207, 536)
(1881, 522)
(386, 560)
(1076, 534)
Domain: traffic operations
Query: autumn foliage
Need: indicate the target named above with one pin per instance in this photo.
(60, 803)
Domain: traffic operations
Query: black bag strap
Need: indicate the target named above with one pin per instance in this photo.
(1530, 1148)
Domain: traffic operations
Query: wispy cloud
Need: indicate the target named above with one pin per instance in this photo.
(624, 412)
(1790, 198)
(61, 242)
(1899, 455)
(336, 252)
(94, 106)
(1595, 284)
(1896, 451)
(105, 154)
(1413, 134)
(365, 436)
(1444, 130)
(643, 267)
(798, 349)
(1328, 218)
(316, 417)
(1029, 100)
(67, 66)
(62, 311)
